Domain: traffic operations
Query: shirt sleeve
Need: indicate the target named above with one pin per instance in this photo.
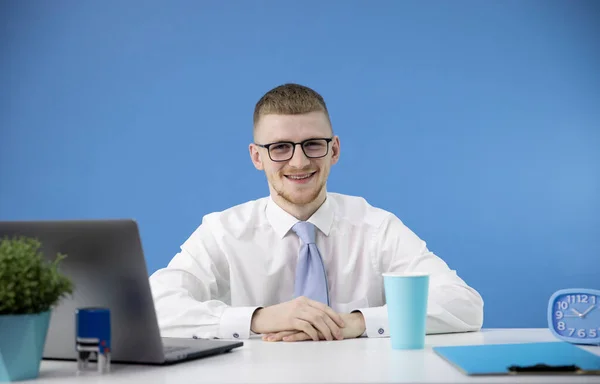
(453, 306)
(192, 297)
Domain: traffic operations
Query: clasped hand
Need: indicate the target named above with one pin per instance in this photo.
(304, 319)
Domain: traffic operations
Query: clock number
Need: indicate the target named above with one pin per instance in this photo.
(592, 333)
(571, 331)
(559, 315)
(572, 299)
(561, 326)
(581, 333)
(562, 305)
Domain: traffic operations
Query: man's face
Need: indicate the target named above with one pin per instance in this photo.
(299, 180)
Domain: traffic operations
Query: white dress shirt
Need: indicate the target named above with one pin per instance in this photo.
(245, 257)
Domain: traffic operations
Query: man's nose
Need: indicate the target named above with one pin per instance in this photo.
(299, 160)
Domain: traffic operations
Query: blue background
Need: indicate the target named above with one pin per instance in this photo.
(477, 123)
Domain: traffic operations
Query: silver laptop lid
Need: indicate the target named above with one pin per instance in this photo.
(106, 263)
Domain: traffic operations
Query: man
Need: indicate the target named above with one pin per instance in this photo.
(302, 263)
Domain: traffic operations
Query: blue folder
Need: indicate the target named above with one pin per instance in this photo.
(525, 358)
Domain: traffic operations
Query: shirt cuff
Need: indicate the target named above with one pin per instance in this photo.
(235, 322)
(376, 321)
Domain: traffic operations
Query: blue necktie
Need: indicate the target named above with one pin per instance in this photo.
(311, 279)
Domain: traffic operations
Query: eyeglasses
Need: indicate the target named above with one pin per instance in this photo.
(284, 150)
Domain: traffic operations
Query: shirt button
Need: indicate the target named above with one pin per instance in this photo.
(381, 331)
(195, 337)
(236, 335)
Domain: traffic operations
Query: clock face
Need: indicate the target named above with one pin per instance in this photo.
(576, 315)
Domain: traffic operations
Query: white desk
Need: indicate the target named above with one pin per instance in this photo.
(348, 361)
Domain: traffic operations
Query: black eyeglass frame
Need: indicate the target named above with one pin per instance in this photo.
(266, 146)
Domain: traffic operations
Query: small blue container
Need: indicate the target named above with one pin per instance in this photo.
(93, 337)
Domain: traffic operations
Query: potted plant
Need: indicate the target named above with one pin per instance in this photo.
(29, 287)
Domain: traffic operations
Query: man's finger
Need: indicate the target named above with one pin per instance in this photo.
(307, 328)
(336, 332)
(278, 336)
(317, 319)
(301, 336)
(328, 310)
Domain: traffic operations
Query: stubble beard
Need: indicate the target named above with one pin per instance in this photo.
(301, 200)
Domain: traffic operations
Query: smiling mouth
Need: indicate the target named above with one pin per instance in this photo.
(302, 177)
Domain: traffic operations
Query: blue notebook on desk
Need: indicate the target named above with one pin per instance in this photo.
(527, 358)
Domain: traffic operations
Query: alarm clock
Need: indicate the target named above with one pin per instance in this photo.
(574, 315)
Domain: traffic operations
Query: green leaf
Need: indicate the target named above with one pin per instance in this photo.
(29, 283)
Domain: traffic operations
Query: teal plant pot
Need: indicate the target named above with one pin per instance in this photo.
(22, 339)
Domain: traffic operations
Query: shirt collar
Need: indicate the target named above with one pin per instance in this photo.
(282, 222)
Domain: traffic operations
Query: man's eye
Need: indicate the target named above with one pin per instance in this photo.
(280, 147)
(314, 144)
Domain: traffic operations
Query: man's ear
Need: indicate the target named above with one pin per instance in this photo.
(335, 150)
(255, 157)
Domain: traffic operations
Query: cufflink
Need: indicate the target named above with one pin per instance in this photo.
(236, 335)
(381, 331)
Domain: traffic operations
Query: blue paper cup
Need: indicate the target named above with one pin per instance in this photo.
(406, 298)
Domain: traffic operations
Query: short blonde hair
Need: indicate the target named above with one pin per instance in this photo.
(290, 99)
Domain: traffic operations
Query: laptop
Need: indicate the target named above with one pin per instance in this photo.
(106, 264)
